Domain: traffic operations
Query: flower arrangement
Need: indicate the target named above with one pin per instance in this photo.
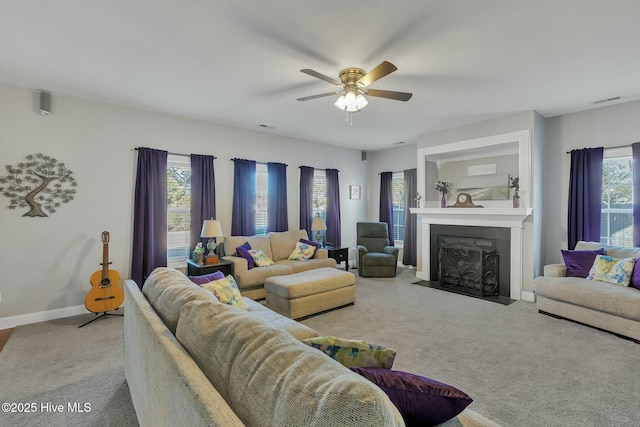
(443, 186)
(515, 183)
(418, 197)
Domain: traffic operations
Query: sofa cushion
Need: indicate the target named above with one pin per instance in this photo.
(612, 270)
(605, 297)
(316, 245)
(377, 259)
(310, 264)
(243, 252)
(298, 330)
(421, 401)
(167, 290)
(282, 243)
(260, 258)
(256, 276)
(270, 378)
(256, 242)
(206, 278)
(226, 291)
(354, 353)
(611, 250)
(302, 252)
(579, 262)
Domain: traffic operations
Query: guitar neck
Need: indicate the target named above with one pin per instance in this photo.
(105, 260)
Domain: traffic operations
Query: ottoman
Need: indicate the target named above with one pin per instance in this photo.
(310, 292)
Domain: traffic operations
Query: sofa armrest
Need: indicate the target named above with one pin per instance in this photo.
(239, 264)
(321, 253)
(555, 270)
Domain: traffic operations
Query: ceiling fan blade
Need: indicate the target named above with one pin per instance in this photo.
(322, 95)
(316, 74)
(377, 73)
(398, 96)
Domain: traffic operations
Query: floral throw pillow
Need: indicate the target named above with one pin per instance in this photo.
(612, 270)
(354, 353)
(260, 258)
(302, 252)
(227, 291)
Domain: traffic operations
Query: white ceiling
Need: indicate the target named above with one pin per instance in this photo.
(237, 62)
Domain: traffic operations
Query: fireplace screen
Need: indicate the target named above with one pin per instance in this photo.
(468, 268)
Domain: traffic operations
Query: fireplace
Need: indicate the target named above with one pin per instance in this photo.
(468, 268)
(471, 260)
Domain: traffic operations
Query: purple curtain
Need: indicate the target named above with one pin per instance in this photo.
(203, 195)
(334, 230)
(243, 220)
(150, 214)
(306, 198)
(585, 195)
(410, 249)
(635, 148)
(278, 220)
(386, 202)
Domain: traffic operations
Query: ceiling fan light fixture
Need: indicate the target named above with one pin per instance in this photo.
(341, 103)
(361, 102)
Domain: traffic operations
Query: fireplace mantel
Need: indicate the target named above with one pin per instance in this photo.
(482, 217)
(512, 218)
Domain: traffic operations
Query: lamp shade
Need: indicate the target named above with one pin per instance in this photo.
(211, 228)
(318, 224)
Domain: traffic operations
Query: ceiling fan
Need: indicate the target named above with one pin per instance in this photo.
(353, 86)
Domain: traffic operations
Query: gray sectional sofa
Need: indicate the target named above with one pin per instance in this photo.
(192, 361)
(603, 305)
(277, 246)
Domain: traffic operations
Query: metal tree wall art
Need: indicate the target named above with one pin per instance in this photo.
(41, 183)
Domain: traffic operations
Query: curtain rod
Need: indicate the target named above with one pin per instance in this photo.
(176, 154)
(257, 162)
(380, 173)
(303, 166)
(609, 148)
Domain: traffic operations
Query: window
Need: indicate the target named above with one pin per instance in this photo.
(397, 195)
(616, 224)
(178, 209)
(320, 198)
(262, 199)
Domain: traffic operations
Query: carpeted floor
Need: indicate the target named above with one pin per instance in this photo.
(521, 368)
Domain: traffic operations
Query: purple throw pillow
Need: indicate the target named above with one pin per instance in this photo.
(201, 280)
(421, 401)
(316, 245)
(635, 276)
(243, 251)
(579, 262)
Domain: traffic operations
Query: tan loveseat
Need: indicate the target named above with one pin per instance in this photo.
(277, 246)
(192, 361)
(606, 306)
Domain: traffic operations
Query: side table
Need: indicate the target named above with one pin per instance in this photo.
(339, 254)
(193, 269)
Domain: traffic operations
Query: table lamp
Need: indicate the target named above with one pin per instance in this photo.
(318, 225)
(211, 230)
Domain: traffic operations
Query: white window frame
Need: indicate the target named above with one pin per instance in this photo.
(179, 261)
(262, 199)
(615, 154)
(319, 199)
(398, 176)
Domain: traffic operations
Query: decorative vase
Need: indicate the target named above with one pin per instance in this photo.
(516, 200)
(443, 201)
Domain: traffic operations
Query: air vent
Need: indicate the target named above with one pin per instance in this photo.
(266, 126)
(398, 143)
(601, 101)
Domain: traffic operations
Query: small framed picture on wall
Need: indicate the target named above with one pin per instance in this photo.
(354, 192)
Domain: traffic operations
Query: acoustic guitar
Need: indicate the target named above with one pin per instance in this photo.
(106, 293)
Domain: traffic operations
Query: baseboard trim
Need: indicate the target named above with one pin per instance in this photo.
(41, 316)
(527, 296)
